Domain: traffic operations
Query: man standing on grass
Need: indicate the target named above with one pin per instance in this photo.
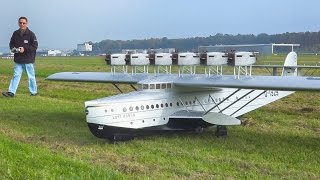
(23, 44)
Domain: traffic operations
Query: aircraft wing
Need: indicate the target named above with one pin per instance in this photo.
(98, 77)
(285, 83)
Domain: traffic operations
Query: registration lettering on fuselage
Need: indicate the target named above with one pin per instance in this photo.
(271, 93)
(124, 116)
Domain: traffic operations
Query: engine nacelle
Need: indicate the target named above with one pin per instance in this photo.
(213, 59)
(187, 59)
(241, 58)
(163, 59)
(139, 59)
(117, 59)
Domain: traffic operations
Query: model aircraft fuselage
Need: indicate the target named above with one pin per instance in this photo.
(163, 109)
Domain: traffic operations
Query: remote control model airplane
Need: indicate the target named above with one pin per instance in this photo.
(186, 100)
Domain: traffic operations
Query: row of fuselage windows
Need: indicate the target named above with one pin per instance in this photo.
(178, 104)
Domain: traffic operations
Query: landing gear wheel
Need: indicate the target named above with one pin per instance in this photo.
(120, 138)
(199, 130)
(221, 131)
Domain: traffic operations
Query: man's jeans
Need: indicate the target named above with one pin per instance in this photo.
(18, 68)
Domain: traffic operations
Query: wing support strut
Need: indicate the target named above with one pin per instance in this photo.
(213, 101)
(200, 103)
(117, 87)
(184, 105)
(221, 101)
(248, 103)
(134, 88)
(237, 101)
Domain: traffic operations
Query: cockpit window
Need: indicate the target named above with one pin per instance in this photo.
(163, 86)
(155, 86)
(145, 86)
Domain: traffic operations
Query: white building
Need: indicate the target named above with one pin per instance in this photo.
(54, 53)
(84, 47)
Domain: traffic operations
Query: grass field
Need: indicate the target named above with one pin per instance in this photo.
(46, 137)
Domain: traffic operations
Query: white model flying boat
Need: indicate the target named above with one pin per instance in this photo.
(184, 101)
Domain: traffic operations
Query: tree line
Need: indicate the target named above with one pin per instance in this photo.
(309, 42)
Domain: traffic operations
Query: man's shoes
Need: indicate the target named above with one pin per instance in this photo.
(8, 94)
(35, 94)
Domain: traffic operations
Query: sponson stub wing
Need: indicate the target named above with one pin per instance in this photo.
(98, 77)
(283, 83)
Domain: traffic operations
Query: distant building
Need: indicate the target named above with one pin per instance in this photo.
(54, 53)
(85, 47)
(266, 49)
(159, 50)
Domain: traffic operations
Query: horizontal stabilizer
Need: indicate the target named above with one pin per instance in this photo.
(220, 119)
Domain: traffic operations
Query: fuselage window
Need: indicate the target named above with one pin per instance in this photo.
(152, 86)
(157, 105)
(186, 103)
(152, 106)
(169, 85)
(112, 110)
(147, 106)
(157, 86)
(167, 105)
(131, 108)
(142, 107)
(190, 102)
(124, 109)
(170, 104)
(161, 105)
(178, 104)
(137, 108)
(163, 86)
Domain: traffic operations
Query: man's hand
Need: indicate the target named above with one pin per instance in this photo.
(21, 49)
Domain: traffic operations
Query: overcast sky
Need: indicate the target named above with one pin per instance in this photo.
(65, 23)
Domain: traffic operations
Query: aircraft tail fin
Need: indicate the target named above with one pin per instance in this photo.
(291, 60)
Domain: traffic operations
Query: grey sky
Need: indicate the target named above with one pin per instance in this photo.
(64, 23)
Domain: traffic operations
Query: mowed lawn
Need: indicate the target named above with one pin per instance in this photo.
(46, 137)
